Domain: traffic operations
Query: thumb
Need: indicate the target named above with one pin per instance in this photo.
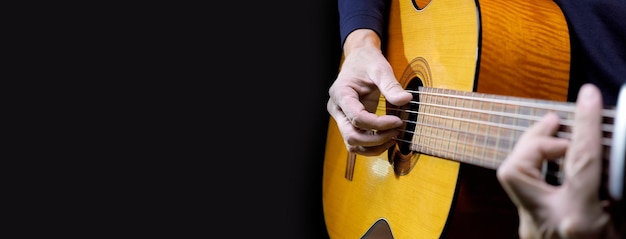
(393, 91)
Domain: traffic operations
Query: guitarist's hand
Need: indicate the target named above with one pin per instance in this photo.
(365, 73)
(573, 209)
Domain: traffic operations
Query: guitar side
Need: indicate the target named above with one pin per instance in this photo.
(451, 45)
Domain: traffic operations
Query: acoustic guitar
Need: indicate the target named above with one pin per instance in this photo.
(481, 72)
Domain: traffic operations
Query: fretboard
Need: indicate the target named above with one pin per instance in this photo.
(481, 129)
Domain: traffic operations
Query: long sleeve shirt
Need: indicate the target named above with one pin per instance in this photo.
(597, 34)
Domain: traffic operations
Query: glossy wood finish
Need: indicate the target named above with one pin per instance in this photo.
(498, 47)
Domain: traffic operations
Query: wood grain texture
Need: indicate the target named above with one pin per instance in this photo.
(525, 50)
(491, 46)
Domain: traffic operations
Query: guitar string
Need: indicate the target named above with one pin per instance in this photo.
(564, 124)
(483, 155)
(568, 107)
(515, 116)
(561, 110)
(483, 151)
(496, 151)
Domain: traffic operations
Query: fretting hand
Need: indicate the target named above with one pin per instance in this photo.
(573, 209)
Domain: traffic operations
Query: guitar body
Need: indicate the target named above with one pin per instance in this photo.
(515, 48)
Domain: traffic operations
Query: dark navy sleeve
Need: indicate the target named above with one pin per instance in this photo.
(598, 45)
(358, 14)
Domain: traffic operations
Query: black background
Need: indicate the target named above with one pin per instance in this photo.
(282, 57)
(203, 119)
(308, 50)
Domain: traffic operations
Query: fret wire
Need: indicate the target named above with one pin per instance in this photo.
(456, 103)
(418, 127)
(422, 108)
(422, 119)
(430, 119)
(436, 120)
(486, 129)
(534, 112)
(466, 125)
(462, 136)
(471, 104)
(441, 100)
(516, 109)
(449, 124)
(499, 133)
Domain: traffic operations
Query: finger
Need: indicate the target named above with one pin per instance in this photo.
(520, 173)
(371, 151)
(371, 142)
(390, 87)
(351, 107)
(537, 143)
(344, 100)
(371, 138)
(584, 162)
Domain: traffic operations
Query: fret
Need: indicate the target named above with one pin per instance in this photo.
(429, 129)
(419, 127)
(476, 128)
(481, 135)
(514, 135)
(468, 130)
(533, 111)
(437, 122)
(497, 157)
(456, 124)
(452, 134)
(446, 130)
(488, 143)
(428, 119)
(423, 119)
(434, 120)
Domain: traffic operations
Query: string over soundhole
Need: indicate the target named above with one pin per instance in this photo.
(401, 156)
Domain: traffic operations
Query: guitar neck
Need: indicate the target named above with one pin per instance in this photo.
(482, 129)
